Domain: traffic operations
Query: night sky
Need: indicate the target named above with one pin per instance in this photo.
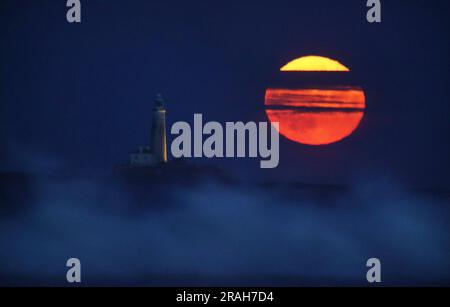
(77, 98)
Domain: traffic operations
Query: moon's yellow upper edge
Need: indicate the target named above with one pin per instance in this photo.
(314, 63)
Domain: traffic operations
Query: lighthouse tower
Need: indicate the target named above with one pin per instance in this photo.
(158, 142)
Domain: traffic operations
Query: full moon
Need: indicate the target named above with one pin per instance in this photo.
(315, 115)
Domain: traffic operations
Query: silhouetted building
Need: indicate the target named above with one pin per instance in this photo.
(142, 157)
(157, 151)
(158, 140)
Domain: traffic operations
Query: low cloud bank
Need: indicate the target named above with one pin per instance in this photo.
(223, 234)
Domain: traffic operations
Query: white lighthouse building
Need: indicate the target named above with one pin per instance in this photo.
(156, 153)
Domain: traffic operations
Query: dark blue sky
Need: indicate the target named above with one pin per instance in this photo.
(78, 97)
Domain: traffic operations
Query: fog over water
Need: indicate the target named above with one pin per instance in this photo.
(211, 233)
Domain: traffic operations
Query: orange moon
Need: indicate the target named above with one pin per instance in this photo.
(315, 116)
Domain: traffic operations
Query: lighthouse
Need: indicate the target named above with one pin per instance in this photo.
(158, 139)
(154, 153)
